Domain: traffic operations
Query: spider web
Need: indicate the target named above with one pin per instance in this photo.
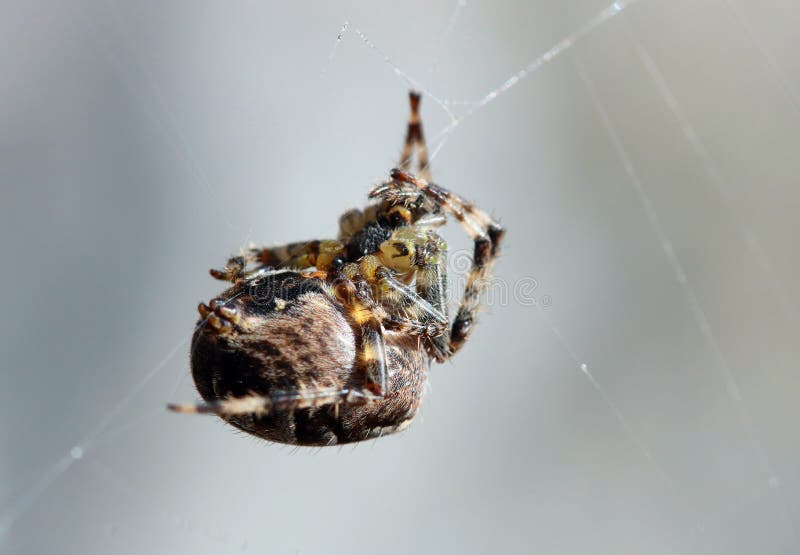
(664, 424)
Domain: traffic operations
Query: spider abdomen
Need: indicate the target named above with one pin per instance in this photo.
(283, 332)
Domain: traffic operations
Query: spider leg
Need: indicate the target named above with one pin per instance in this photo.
(301, 255)
(233, 270)
(370, 348)
(408, 311)
(431, 221)
(415, 137)
(258, 405)
(486, 233)
(431, 284)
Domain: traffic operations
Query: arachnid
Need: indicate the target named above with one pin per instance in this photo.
(329, 342)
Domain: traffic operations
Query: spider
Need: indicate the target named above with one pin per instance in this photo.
(329, 341)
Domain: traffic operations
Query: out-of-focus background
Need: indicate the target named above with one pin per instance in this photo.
(631, 389)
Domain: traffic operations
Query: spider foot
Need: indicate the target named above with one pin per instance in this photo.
(232, 271)
(220, 317)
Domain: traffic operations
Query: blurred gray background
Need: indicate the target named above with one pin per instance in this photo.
(648, 179)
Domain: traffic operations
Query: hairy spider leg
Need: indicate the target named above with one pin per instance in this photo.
(408, 311)
(370, 346)
(305, 254)
(415, 137)
(486, 233)
(431, 285)
(258, 405)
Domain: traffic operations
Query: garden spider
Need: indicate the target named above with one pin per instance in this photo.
(329, 341)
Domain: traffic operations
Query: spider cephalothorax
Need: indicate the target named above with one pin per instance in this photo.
(326, 342)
